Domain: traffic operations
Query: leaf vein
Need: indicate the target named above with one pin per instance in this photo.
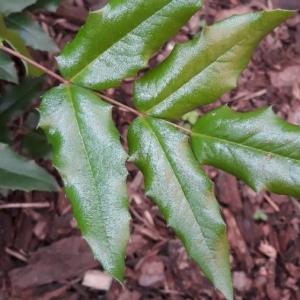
(184, 193)
(193, 77)
(116, 42)
(244, 146)
(92, 173)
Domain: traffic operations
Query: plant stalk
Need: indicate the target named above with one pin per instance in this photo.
(35, 64)
(64, 81)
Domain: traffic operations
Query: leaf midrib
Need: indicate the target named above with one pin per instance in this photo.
(91, 171)
(183, 191)
(117, 41)
(192, 77)
(244, 146)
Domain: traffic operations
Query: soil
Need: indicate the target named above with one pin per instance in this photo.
(42, 255)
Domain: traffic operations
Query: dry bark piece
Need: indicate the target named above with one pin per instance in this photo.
(227, 191)
(287, 77)
(240, 281)
(236, 240)
(286, 4)
(62, 260)
(137, 242)
(127, 295)
(97, 280)
(152, 272)
(74, 14)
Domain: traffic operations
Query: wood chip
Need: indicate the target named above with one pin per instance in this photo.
(97, 280)
(62, 260)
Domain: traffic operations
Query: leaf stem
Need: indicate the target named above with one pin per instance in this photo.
(64, 81)
(35, 64)
(187, 131)
(114, 102)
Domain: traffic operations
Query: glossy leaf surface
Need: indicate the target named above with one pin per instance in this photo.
(31, 33)
(117, 41)
(258, 147)
(14, 100)
(11, 6)
(18, 173)
(198, 72)
(184, 194)
(8, 70)
(15, 41)
(91, 161)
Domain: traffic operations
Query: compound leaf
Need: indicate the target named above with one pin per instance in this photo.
(8, 70)
(184, 194)
(31, 33)
(7, 7)
(257, 147)
(91, 161)
(198, 72)
(118, 40)
(16, 42)
(18, 173)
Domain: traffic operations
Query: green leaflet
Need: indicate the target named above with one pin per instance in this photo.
(31, 33)
(8, 70)
(257, 147)
(198, 72)
(15, 41)
(18, 173)
(117, 41)
(13, 101)
(11, 6)
(184, 194)
(91, 161)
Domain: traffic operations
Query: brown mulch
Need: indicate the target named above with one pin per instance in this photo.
(43, 257)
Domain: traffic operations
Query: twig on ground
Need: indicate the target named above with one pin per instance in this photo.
(25, 205)
(272, 203)
(15, 254)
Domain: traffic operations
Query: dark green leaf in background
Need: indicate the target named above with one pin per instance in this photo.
(15, 41)
(8, 70)
(18, 173)
(198, 72)
(49, 5)
(11, 6)
(184, 194)
(257, 147)
(4, 192)
(91, 161)
(117, 41)
(31, 33)
(14, 100)
(36, 145)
